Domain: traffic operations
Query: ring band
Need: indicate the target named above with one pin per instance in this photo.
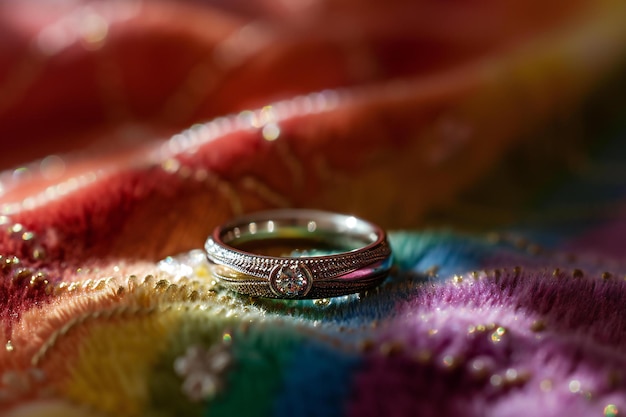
(361, 258)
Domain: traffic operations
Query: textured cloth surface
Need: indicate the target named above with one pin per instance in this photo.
(488, 137)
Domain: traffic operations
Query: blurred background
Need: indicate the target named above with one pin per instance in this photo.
(116, 116)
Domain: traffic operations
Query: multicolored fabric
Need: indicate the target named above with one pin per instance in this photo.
(487, 137)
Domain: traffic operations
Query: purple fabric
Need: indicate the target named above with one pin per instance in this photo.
(549, 345)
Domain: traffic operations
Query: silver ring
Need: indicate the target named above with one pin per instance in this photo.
(321, 254)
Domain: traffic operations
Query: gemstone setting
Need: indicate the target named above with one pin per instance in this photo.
(291, 280)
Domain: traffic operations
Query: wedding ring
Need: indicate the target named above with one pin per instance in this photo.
(298, 254)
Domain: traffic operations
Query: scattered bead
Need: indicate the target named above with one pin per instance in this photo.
(270, 132)
(16, 228)
(611, 410)
(497, 335)
(496, 380)
(606, 276)
(21, 274)
(9, 346)
(322, 302)
(510, 374)
(9, 262)
(481, 367)
(574, 386)
(577, 273)
(513, 377)
(480, 328)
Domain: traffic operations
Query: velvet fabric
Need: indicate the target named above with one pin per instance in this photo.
(486, 136)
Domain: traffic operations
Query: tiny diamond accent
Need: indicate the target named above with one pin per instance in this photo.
(293, 280)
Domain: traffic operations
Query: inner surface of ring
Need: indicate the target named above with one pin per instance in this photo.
(300, 237)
